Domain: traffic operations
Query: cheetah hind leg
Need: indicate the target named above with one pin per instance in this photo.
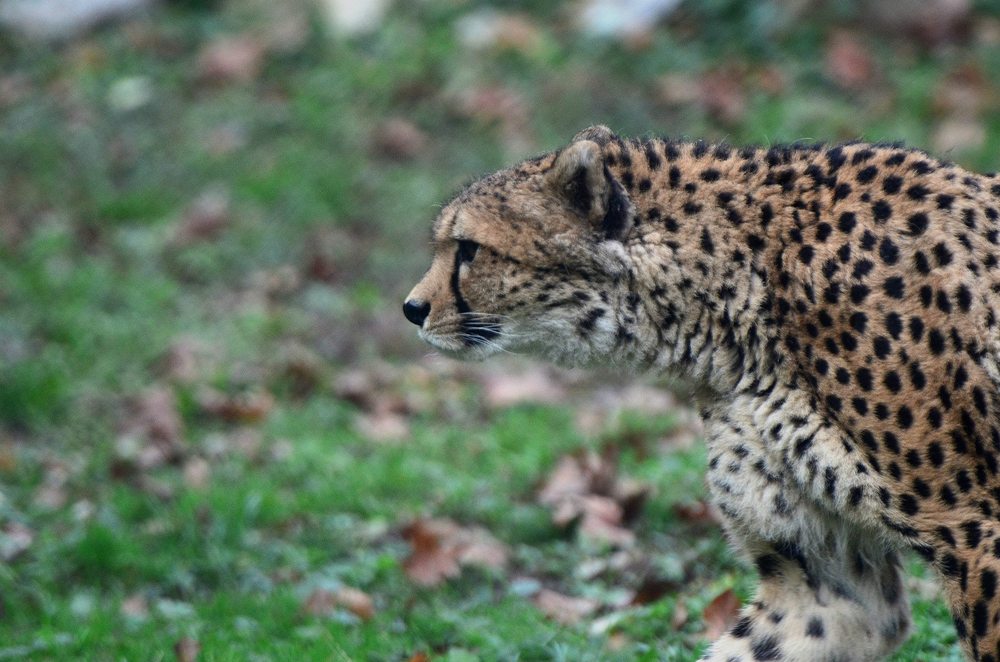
(845, 603)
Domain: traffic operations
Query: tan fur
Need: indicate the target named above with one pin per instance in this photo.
(838, 307)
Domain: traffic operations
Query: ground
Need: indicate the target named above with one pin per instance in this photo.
(214, 419)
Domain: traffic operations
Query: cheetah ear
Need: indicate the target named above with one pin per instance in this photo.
(581, 177)
(598, 133)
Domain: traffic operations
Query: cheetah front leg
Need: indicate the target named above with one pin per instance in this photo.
(830, 588)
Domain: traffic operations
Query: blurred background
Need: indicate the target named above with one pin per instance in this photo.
(220, 440)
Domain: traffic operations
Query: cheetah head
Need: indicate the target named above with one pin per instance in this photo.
(530, 259)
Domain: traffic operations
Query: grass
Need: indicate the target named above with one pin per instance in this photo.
(223, 539)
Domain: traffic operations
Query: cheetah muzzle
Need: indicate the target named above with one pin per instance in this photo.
(838, 305)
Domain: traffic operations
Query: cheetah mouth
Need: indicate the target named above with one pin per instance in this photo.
(465, 339)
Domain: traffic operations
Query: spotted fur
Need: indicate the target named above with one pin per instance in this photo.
(838, 307)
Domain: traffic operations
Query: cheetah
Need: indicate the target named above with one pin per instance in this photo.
(836, 305)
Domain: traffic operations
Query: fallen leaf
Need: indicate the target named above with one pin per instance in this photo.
(197, 473)
(723, 95)
(679, 616)
(154, 429)
(848, 62)
(563, 608)
(492, 29)
(206, 218)
(135, 607)
(440, 547)
(585, 489)
(187, 649)
(418, 657)
(399, 138)
(652, 590)
(720, 614)
(237, 58)
(15, 539)
(322, 602)
(506, 389)
(248, 407)
(698, 512)
(959, 133)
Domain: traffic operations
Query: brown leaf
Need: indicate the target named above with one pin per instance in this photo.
(720, 614)
(205, 219)
(187, 649)
(419, 657)
(155, 423)
(960, 133)
(848, 62)
(439, 547)
(135, 607)
(382, 426)
(585, 489)
(247, 407)
(399, 138)
(231, 59)
(505, 389)
(322, 602)
(197, 473)
(651, 590)
(679, 616)
(563, 608)
(15, 539)
(723, 95)
(698, 512)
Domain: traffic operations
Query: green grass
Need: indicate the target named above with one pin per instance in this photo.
(95, 290)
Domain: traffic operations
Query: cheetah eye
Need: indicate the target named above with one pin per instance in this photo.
(467, 250)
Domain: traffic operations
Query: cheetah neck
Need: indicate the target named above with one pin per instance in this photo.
(707, 228)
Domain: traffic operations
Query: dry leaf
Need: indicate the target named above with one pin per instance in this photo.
(187, 650)
(848, 62)
(322, 602)
(562, 608)
(232, 59)
(248, 407)
(399, 138)
(153, 432)
(382, 426)
(205, 219)
(698, 512)
(652, 590)
(440, 547)
(723, 95)
(720, 614)
(197, 473)
(679, 616)
(419, 657)
(585, 489)
(135, 607)
(537, 385)
(15, 539)
(960, 133)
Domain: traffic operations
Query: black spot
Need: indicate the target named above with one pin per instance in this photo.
(846, 222)
(916, 328)
(882, 211)
(988, 583)
(942, 254)
(892, 381)
(833, 402)
(862, 267)
(908, 504)
(936, 342)
(766, 649)
(904, 417)
(865, 175)
(868, 240)
(964, 298)
(892, 184)
(917, 224)
(973, 534)
(921, 263)
(944, 201)
(859, 293)
(888, 251)
(691, 208)
(806, 254)
(980, 618)
(863, 376)
(893, 324)
(848, 342)
(710, 175)
(814, 628)
(645, 185)
(917, 192)
(706, 242)
(859, 321)
(652, 158)
(893, 287)
(917, 377)
(881, 346)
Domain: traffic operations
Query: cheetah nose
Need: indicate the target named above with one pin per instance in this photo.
(416, 311)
